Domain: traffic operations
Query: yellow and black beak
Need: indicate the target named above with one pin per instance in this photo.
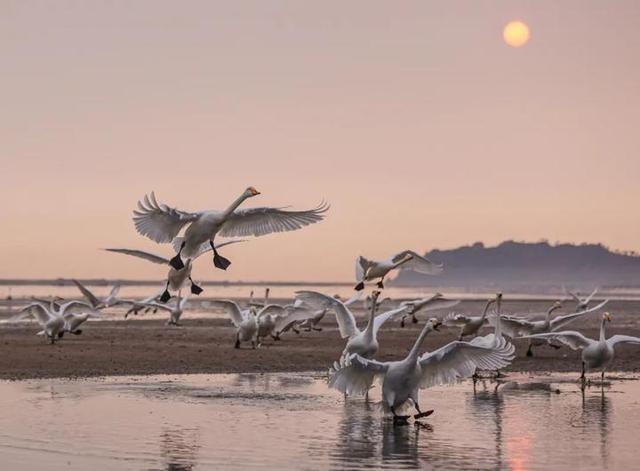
(607, 316)
(253, 191)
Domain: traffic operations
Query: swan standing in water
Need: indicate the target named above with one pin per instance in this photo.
(99, 303)
(162, 224)
(596, 354)
(56, 319)
(176, 278)
(368, 270)
(432, 303)
(470, 325)
(402, 380)
(517, 327)
(363, 342)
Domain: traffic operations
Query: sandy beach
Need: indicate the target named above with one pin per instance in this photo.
(147, 346)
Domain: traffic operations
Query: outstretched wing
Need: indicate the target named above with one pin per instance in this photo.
(231, 308)
(418, 263)
(261, 221)
(76, 307)
(458, 360)
(345, 318)
(294, 314)
(385, 316)
(574, 340)
(160, 222)
(142, 254)
(354, 375)
(38, 310)
(511, 326)
(87, 294)
(561, 321)
(455, 320)
(616, 339)
(590, 297)
(270, 309)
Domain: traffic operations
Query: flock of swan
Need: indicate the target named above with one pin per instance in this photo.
(356, 370)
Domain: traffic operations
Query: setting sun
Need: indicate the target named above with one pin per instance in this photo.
(516, 33)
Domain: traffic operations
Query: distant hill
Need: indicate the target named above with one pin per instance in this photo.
(539, 266)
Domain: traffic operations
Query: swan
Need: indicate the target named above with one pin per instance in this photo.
(162, 223)
(431, 303)
(56, 319)
(470, 325)
(244, 321)
(518, 327)
(596, 354)
(401, 380)
(300, 315)
(582, 303)
(176, 278)
(363, 342)
(99, 303)
(267, 318)
(368, 270)
(175, 311)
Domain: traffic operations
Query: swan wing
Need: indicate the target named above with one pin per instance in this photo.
(455, 320)
(158, 221)
(270, 309)
(616, 339)
(344, 317)
(511, 326)
(353, 299)
(590, 297)
(38, 310)
(142, 254)
(436, 304)
(261, 221)
(76, 307)
(362, 265)
(570, 338)
(231, 308)
(561, 321)
(385, 316)
(458, 360)
(294, 314)
(354, 374)
(87, 294)
(418, 263)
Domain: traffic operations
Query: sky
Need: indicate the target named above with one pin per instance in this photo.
(414, 119)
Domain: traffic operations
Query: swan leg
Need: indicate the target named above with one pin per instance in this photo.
(218, 260)
(359, 286)
(402, 322)
(380, 283)
(195, 289)
(176, 262)
(237, 345)
(414, 319)
(460, 337)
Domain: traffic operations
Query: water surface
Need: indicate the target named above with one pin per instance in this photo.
(291, 421)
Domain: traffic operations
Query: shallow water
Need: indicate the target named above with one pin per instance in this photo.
(293, 421)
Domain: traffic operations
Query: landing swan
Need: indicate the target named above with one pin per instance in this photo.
(596, 354)
(469, 325)
(56, 319)
(162, 223)
(368, 270)
(401, 380)
(99, 303)
(431, 303)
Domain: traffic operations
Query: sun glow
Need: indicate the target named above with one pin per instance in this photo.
(516, 34)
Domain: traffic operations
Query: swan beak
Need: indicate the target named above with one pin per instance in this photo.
(253, 191)
(607, 316)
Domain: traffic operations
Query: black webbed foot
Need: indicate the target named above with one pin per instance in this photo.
(166, 296)
(380, 284)
(176, 262)
(195, 289)
(359, 286)
(77, 332)
(414, 320)
(423, 414)
(220, 262)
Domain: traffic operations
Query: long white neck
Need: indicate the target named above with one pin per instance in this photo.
(486, 309)
(415, 350)
(233, 206)
(372, 314)
(602, 333)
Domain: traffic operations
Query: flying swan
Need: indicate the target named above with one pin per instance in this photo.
(368, 270)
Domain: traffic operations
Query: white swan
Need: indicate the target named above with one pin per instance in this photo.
(368, 270)
(596, 354)
(175, 311)
(244, 321)
(518, 327)
(363, 342)
(431, 303)
(582, 303)
(176, 278)
(301, 316)
(56, 319)
(162, 223)
(401, 380)
(469, 325)
(99, 303)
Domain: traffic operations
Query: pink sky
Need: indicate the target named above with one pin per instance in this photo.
(414, 119)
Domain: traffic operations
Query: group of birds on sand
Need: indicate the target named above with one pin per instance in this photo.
(356, 370)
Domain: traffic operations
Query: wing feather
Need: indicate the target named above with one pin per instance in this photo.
(354, 375)
(344, 317)
(574, 340)
(160, 222)
(418, 263)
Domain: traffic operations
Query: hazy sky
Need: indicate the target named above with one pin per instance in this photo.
(414, 119)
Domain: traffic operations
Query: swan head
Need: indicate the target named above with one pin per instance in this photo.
(556, 305)
(434, 324)
(250, 192)
(606, 317)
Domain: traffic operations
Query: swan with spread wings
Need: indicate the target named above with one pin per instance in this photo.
(402, 380)
(369, 270)
(162, 224)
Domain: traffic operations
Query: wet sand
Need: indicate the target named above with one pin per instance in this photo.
(142, 346)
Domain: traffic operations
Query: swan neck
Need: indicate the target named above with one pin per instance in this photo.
(415, 350)
(233, 206)
(486, 309)
(602, 330)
